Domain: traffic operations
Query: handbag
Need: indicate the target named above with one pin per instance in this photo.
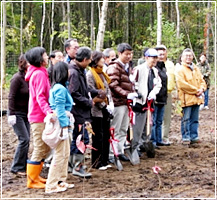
(52, 131)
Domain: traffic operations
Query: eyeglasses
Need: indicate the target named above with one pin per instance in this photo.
(75, 48)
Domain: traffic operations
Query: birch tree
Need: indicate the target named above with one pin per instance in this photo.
(159, 22)
(21, 28)
(42, 23)
(178, 20)
(68, 18)
(52, 26)
(3, 46)
(92, 31)
(102, 24)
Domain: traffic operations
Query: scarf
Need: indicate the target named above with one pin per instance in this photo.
(98, 80)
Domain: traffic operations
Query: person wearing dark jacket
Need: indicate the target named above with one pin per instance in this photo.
(159, 105)
(82, 96)
(18, 109)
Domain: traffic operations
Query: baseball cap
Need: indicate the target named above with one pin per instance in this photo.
(160, 47)
(151, 53)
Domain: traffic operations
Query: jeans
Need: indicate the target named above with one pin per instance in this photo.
(22, 130)
(189, 123)
(158, 115)
(76, 133)
(206, 97)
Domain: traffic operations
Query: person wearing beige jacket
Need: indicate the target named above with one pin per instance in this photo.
(191, 86)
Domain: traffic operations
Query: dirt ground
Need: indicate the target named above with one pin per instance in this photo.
(187, 172)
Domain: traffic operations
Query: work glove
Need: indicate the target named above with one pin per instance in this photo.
(152, 95)
(65, 134)
(110, 108)
(132, 95)
(12, 120)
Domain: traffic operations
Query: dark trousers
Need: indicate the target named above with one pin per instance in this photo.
(22, 130)
(100, 141)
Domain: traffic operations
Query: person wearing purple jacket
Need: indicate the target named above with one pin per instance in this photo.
(38, 108)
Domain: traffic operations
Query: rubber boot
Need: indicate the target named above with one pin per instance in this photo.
(78, 169)
(43, 180)
(33, 171)
(70, 164)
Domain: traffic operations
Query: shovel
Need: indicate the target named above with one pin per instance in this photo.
(148, 145)
(132, 154)
(114, 143)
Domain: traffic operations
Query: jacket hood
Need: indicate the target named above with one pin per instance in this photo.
(32, 69)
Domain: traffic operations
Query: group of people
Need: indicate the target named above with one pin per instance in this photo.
(106, 91)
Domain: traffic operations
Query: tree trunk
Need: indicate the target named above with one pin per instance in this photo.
(68, 18)
(52, 26)
(92, 32)
(102, 24)
(21, 28)
(206, 31)
(178, 20)
(127, 22)
(3, 46)
(42, 23)
(159, 22)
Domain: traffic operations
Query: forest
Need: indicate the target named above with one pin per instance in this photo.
(49, 23)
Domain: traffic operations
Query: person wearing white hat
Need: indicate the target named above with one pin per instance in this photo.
(149, 84)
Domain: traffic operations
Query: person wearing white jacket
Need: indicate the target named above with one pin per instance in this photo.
(148, 84)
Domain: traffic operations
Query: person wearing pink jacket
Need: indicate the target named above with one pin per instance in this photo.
(38, 108)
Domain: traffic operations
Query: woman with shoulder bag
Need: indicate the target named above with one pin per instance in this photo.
(60, 101)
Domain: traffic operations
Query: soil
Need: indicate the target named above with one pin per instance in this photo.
(186, 171)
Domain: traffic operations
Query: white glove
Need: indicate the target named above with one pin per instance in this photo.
(65, 134)
(12, 120)
(132, 95)
(151, 95)
(110, 108)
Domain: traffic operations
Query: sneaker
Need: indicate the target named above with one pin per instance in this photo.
(57, 189)
(108, 166)
(201, 107)
(195, 142)
(206, 108)
(67, 185)
(103, 168)
(185, 142)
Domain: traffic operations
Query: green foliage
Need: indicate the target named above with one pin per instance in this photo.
(10, 71)
(113, 36)
(169, 39)
(76, 32)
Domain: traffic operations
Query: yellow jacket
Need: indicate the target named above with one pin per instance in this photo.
(171, 81)
(188, 83)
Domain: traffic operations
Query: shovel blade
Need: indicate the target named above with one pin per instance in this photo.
(118, 164)
(133, 156)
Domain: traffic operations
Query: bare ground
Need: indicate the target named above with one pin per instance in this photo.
(187, 172)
